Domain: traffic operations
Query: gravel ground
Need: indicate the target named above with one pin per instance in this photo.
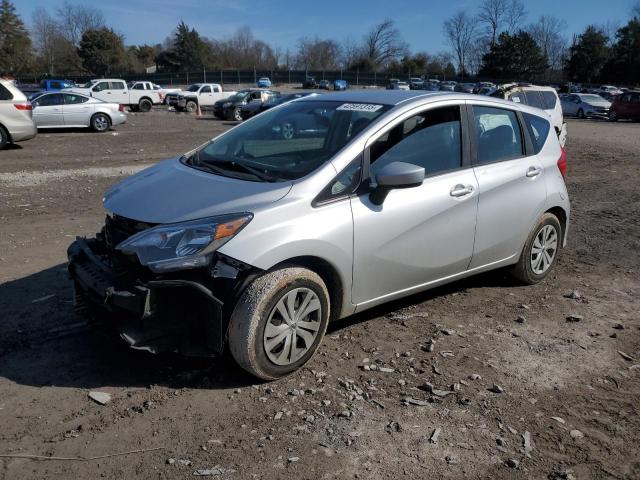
(403, 391)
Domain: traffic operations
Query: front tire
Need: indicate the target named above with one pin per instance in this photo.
(279, 322)
(613, 116)
(581, 114)
(100, 122)
(191, 106)
(540, 252)
(237, 114)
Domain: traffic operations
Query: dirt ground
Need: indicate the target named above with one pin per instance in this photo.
(570, 402)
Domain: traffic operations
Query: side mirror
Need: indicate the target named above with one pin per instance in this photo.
(395, 175)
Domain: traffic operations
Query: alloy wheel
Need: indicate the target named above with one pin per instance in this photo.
(292, 327)
(544, 249)
(101, 123)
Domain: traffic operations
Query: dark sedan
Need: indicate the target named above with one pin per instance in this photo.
(253, 108)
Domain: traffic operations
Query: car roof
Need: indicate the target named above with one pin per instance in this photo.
(385, 97)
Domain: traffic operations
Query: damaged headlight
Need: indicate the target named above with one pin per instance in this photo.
(185, 245)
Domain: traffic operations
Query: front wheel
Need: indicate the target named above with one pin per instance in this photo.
(100, 122)
(278, 322)
(191, 106)
(237, 114)
(613, 116)
(540, 252)
(288, 131)
(581, 114)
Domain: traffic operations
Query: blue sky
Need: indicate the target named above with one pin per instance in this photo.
(282, 22)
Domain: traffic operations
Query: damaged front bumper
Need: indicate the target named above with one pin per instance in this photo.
(154, 313)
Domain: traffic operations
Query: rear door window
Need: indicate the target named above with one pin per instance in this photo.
(5, 94)
(534, 98)
(73, 99)
(538, 130)
(118, 85)
(498, 134)
(549, 100)
(49, 100)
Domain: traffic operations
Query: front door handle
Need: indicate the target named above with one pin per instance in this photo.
(533, 172)
(461, 190)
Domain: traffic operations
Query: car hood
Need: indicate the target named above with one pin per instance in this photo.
(603, 103)
(171, 192)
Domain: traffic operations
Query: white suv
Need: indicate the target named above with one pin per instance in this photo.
(544, 98)
(16, 121)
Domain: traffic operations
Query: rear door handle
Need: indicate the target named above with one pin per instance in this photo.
(461, 190)
(533, 172)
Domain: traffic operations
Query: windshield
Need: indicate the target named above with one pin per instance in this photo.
(237, 97)
(286, 143)
(193, 88)
(592, 98)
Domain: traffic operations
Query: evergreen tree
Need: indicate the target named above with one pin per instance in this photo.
(624, 63)
(587, 55)
(15, 44)
(513, 57)
(102, 51)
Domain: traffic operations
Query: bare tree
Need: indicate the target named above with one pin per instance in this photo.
(501, 15)
(74, 20)
(548, 34)
(45, 33)
(318, 54)
(384, 43)
(461, 32)
(351, 52)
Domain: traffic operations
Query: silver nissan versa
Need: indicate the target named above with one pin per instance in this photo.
(317, 209)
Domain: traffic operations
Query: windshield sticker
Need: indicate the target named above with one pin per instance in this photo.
(359, 107)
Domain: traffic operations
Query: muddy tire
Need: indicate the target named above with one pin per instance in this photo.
(278, 322)
(144, 105)
(191, 106)
(540, 252)
(4, 137)
(100, 122)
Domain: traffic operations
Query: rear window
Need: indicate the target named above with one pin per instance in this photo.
(534, 98)
(549, 100)
(538, 130)
(5, 94)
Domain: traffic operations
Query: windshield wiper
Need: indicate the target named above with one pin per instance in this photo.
(231, 165)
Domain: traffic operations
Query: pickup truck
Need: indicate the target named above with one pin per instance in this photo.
(162, 91)
(116, 91)
(198, 94)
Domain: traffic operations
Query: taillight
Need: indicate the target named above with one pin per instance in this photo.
(23, 106)
(121, 107)
(562, 162)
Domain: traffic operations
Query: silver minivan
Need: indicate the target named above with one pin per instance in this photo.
(16, 120)
(317, 209)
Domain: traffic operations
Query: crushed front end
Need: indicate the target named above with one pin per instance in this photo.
(182, 310)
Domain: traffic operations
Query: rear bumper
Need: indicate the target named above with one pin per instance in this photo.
(118, 118)
(157, 315)
(22, 132)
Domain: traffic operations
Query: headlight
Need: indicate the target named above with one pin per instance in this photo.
(185, 245)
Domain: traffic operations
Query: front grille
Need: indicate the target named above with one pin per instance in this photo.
(117, 229)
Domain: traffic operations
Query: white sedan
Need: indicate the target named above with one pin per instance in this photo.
(74, 110)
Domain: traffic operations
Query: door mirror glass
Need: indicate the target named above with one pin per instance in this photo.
(396, 175)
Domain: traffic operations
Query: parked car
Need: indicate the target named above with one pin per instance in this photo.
(165, 91)
(545, 98)
(324, 84)
(464, 87)
(162, 92)
(610, 89)
(264, 82)
(73, 110)
(610, 97)
(115, 90)
(482, 85)
(205, 95)
(399, 86)
(251, 109)
(261, 243)
(391, 84)
(16, 120)
(416, 83)
(583, 105)
(309, 82)
(431, 86)
(230, 108)
(51, 85)
(340, 85)
(625, 107)
(448, 86)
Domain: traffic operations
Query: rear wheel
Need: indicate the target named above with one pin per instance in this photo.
(613, 116)
(145, 105)
(540, 252)
(237, 114)
(4, 137)
(100, 122)
(278, 322)
(288, 131)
